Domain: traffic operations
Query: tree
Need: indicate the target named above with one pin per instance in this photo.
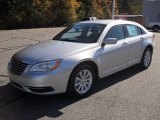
(136, 7)
(46, 13)
(64, 12)
(130, 7)
(87, 8)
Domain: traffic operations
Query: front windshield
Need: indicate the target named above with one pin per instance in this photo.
(81, 32)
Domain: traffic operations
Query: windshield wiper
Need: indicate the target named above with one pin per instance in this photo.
(66, 39)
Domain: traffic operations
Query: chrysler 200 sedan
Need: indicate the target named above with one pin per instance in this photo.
(83, 52)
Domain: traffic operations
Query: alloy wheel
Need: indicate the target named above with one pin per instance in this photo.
(147, 58)
(83, 81)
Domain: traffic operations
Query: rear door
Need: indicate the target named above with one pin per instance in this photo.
(134, 39)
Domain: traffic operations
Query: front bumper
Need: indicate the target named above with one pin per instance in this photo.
(42, 83)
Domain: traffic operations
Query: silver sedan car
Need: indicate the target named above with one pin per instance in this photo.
(83, 52)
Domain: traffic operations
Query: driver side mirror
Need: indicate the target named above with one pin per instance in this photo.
(110, 41)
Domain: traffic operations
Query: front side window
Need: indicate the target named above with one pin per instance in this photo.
(115, 32)
(81, 32)
(132, 30)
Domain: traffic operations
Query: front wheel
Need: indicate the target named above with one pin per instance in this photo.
(146, 58)
(81, 81)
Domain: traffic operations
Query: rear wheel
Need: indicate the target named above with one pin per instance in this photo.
(146, 58)
(81, 81)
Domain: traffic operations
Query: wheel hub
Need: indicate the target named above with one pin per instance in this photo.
(83, 81)
(147, 58)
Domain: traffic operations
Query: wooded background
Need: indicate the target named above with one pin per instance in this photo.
(16, 14)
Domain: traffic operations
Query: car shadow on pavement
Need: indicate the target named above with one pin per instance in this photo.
(18, 105)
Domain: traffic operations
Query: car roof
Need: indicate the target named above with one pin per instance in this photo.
(107, 21)
(114, 22)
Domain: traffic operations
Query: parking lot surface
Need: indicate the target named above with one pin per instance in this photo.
(132, 94)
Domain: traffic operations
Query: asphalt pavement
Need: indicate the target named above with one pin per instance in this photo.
(132, 94)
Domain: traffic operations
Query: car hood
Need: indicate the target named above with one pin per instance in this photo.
(51, 50)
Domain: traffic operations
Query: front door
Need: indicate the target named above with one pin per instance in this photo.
(114, 57)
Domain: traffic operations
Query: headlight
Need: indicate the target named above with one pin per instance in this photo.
(46, 66)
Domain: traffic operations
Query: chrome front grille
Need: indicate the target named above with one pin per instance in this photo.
(17, 67)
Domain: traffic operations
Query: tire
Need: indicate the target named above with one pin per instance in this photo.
(146, 58)
(81, 87)
(155, 28)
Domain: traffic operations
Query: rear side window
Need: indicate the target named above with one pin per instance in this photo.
(132, 30)
(115, 32)
(142, 32)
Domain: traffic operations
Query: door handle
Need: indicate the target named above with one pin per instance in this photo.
(124, 43)
(142, 38)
